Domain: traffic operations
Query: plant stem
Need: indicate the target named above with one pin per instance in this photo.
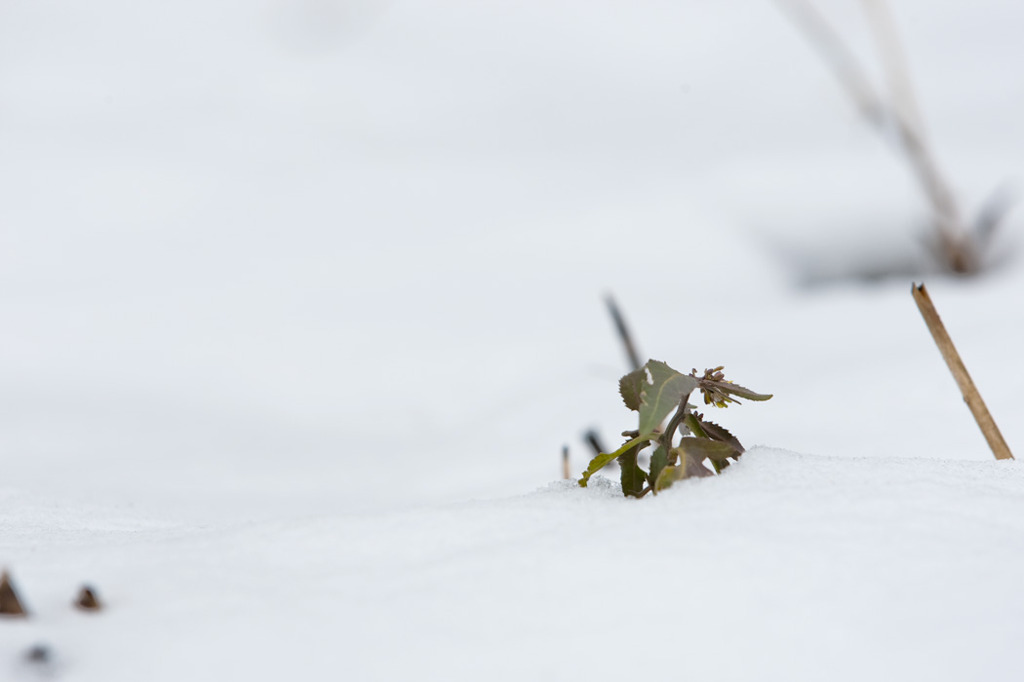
(623, 330)
(10, 605)
(594, 441)
(970, 392)
(673, 425)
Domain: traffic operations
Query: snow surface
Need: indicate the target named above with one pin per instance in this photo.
(301, 300)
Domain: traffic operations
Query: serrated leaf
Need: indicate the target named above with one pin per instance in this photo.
(730, 388)
(748, 394)
(633, 477)
(659, 460)
(720, 433)
(668, 388)
(604, 459)
(719, 465)
(631, 387)
(700, 449)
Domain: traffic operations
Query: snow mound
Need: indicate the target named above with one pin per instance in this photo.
(785, 566)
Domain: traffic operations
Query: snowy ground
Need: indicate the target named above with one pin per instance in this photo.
(301, 300)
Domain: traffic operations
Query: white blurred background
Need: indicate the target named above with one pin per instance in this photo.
(262, 247)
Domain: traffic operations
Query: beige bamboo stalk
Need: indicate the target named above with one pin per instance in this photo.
(970, 392)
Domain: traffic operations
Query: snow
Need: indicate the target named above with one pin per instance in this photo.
(301, 301)
(788, 566)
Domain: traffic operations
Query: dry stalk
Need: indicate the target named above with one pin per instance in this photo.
(594, 441)
(10, 604)
(623, 330)
(87, 599)
(899, 118)
(970, 392)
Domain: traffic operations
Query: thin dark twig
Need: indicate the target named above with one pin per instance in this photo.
(623, 330)
(595, 442)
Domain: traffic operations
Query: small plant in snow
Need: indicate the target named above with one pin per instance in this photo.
(655, 391)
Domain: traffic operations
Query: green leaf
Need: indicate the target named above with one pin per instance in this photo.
(695, 425)
(667, 477)
(604, 459)
(667, 389)
(705, 448)
(633, 477)
(735, 389)
(631, 387)
(690, 468)
(659, 460)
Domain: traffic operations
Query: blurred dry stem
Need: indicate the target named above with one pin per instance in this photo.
(87, 599)
(623, 330)
(963, 379)
(10, 605)
(594, 440)
(592, 437)
(566, 470)
(960, 244)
